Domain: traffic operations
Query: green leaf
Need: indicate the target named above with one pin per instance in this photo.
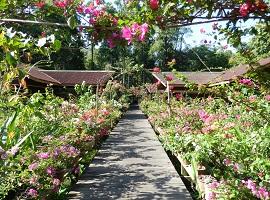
(10, 59)
(3, 4)
(23, 139)
(57, 45)
(72, 22)
(7, 126)
(168, 6)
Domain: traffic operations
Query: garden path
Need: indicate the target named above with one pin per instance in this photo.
(131, 164)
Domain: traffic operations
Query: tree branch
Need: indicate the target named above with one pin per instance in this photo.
(38, 22)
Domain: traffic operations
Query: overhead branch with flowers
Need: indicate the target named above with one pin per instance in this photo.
(97, 19)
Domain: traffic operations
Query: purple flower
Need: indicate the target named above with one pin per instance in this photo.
(263, 193)
(211, 196)
(214, 185)
(56, 152)
(43, 155)
(251, 185)
(33, 166)
(50, 171)
(32, 193)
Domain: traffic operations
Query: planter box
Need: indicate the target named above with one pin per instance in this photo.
(188, 173)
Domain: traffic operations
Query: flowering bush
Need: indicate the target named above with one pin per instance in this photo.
(47, 141)
(228, 135)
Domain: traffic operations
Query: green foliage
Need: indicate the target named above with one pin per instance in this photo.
(46, 141)
(222, 134)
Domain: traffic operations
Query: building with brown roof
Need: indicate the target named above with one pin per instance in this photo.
(178, 85)
(208, 78)
(38, 79)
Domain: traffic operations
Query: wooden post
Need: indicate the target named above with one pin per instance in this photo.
(168, 98)
(97, 100)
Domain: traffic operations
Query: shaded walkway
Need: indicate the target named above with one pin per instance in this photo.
(131, 164)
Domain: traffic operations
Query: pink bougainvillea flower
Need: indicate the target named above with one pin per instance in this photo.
(60, 4)
(236, 167)
(143, 30)
(134, 28)
(156, 69)
(80, 9)
(40, 4)
(267, 97)
(89, 9)
(246, 81)
(56, 182)
(244, 9)
(50, 171)
(154, 4)
(33, 166)
(111, 43)
(214, 185)
(127, 34)
(105, 112)
(169, 77)
(32, 193)
(206, 118)
(115, 21)
(92, 21)
(227, 162)
(262, 193)
(43, 155)
(252, 98)
(178, 96)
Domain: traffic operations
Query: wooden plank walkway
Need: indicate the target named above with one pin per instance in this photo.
(131, 164)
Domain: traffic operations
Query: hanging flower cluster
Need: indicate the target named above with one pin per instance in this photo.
(135, 32)
(250, 7)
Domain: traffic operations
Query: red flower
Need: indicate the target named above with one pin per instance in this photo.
(40, 4)
(178, 96)
(169, 77)
(156, 69)
(154, 4)
(80, 9)
(244, 9)
(60, 4)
